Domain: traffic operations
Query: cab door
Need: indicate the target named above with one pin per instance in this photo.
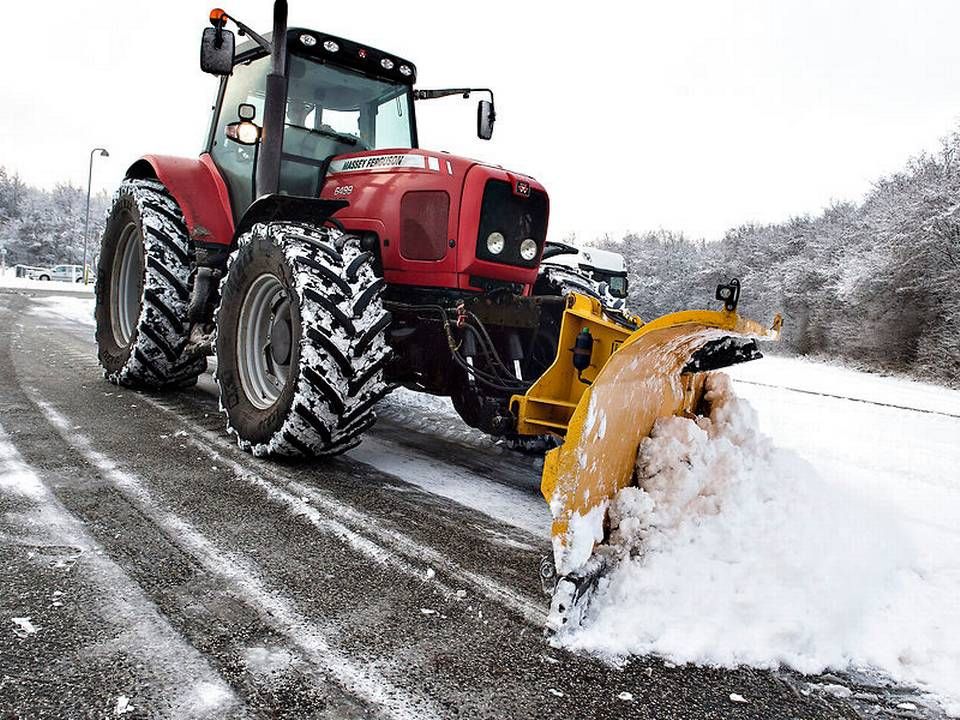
(237, 162)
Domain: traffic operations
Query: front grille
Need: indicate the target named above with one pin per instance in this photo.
(423, 224)
(514, 216)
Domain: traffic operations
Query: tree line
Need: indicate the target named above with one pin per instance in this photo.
(45, 227)
(876, 283)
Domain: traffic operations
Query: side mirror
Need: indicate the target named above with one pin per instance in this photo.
(216, 51)
(485, 119)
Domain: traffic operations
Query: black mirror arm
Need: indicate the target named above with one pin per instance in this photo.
(244, 30)
(446, 92)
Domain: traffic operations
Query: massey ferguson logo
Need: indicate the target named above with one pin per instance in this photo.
(372, 162)
(523, 188)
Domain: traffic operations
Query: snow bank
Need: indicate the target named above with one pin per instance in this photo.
(736, 552)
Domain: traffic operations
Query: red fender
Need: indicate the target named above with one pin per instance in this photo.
(200, 191)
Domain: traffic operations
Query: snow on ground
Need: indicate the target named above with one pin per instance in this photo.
(828, 379)
(812, 523)
(77, 310)
(8, 279)
(431, 413)
(835, 544)
(514, 506)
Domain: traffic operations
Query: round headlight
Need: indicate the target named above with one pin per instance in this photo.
(386, 64)
(308, 40)
(330, 46)
(495, 243)
(405, 70)
(528, 249)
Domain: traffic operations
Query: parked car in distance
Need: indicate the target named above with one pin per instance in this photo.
(61, 273)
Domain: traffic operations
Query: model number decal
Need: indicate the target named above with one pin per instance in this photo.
(344, 190)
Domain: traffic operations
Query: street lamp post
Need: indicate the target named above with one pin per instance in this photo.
(86, 222)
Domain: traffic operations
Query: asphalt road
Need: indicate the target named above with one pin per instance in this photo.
(162, 572)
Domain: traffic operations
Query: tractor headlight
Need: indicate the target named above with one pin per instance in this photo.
(528, 249)
(330, 46)
(495, 243)
(386, 64)
(308, 40)
(406, 70)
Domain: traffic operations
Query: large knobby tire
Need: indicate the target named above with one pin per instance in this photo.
(143, 290)
(301, 341)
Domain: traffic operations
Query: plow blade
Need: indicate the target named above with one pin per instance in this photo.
(657, 371)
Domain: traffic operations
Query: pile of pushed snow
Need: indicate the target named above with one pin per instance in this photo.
(736, 552)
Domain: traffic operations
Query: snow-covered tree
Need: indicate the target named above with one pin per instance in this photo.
(877, 282)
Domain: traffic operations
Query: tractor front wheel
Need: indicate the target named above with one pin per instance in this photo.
(301, 341)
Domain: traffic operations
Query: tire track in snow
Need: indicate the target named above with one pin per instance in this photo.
(199, 690)
(360, 679)
(395, 547)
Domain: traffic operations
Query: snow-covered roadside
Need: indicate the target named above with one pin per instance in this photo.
(750, 555)
(843, 382)
(9, 279)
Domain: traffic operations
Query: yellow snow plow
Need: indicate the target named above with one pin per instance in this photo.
(605, 403)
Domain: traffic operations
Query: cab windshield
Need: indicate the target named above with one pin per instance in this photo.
(330, 111)
(333, 111)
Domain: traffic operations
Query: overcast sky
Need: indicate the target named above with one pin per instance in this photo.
(694, 116)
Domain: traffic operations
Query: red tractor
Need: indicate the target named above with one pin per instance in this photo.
(325, 258)
(354, 251)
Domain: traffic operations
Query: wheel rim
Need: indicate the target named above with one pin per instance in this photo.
(264, 341)
(126, 284)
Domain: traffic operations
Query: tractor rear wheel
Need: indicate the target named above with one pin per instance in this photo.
(143, 289)
(301, 341)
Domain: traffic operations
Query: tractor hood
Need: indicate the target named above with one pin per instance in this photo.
(433, 213)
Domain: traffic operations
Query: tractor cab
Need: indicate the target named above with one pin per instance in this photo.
(341, 98)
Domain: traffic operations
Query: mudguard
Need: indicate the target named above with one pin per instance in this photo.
(199, 190)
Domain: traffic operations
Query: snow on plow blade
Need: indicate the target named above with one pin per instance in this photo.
(657, 371)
